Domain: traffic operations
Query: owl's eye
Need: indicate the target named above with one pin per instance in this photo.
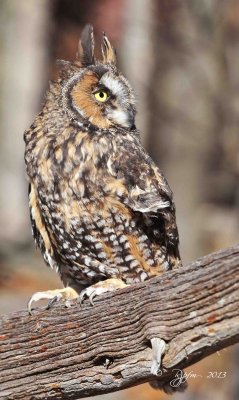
(101, 96)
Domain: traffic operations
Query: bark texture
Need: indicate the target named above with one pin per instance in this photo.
(62, 353)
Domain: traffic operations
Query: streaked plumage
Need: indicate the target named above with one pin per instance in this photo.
(100, 208)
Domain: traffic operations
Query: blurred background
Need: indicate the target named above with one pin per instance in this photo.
(182, 58)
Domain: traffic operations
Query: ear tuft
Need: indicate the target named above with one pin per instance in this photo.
(108, 51)
(85, 53)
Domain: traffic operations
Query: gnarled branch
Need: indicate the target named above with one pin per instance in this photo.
(70, 353)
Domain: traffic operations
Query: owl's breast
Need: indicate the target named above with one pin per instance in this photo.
(85, 205)
(96, 234)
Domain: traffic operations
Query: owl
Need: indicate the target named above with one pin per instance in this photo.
(102, 213)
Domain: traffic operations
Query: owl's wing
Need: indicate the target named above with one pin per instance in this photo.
(35, 232)
(150, 195)
(39, 231)
(158, 212)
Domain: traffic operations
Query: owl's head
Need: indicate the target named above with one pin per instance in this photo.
(95, 92)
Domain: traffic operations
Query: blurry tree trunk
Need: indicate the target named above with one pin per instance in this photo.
(23, 50)
(184, 85)
(138, 60)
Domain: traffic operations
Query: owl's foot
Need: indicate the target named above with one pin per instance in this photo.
(108, 285)
(53, 296)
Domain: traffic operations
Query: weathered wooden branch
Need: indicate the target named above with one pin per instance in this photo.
(62, 353)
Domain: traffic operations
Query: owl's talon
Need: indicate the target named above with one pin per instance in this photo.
(53, 296)
(80, 300)
(68, 303)
(81, 297)
(51, 302)
(87, 293)
(91, 297)
(99, 288)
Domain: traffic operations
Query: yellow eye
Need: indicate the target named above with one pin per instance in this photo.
(101, 96)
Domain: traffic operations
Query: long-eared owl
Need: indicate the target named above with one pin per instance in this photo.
(102, 213)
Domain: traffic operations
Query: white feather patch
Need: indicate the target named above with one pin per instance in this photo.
(120, 117)
(153, 207)
(113, 84)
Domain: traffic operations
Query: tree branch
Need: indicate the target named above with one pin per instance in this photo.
(62, 353)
